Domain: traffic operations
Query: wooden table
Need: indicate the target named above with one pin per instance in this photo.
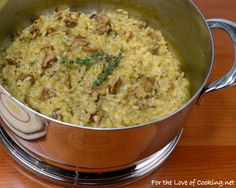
(207, 149)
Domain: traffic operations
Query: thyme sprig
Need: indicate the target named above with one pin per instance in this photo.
(111, 60)
(88, 61)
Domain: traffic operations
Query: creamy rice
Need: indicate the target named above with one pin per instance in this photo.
(146, 83)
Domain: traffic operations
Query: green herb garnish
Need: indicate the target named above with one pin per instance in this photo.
(112, 64)
(88, 61)
(109, 68)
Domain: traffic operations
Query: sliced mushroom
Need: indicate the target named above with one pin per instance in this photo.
(80, 41)
(143, 24)
(29, 77)
(97, 118)
(57, 114)
(47, 94)
(103, 29)
(115, 85)
(139, 92)
(70, 23)
(11, 61)
(149, 84)
(104, 20)
(128, 35)
(51, 31)
(104, 23)
(49, 58)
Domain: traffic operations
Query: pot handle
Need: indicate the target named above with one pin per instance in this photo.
(230, 78)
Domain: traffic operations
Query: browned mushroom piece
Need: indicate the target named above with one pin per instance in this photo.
(139, 92)
(47, 94)
(114, 85)
(70, 23)
(104, 24)
(78, 42)
(103, 29)
(11, 61)
(29, 77)
(51, 31)
(49, 58)
(143, 24)
(128, 35)
(97, 118)
(104, 20)
(149, 84)
(57, 114)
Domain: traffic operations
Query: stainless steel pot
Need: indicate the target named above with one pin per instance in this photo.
(93, 156)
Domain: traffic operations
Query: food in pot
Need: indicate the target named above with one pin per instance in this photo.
(99, 70)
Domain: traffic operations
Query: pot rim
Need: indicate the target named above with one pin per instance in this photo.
(139, 125)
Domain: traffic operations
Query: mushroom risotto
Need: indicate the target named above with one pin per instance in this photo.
(99, 70)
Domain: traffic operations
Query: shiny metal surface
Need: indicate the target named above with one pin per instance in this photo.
(94, 150)
(230, 78)
(62, 176)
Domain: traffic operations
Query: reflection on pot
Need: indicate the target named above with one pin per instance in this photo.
(22, 122)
